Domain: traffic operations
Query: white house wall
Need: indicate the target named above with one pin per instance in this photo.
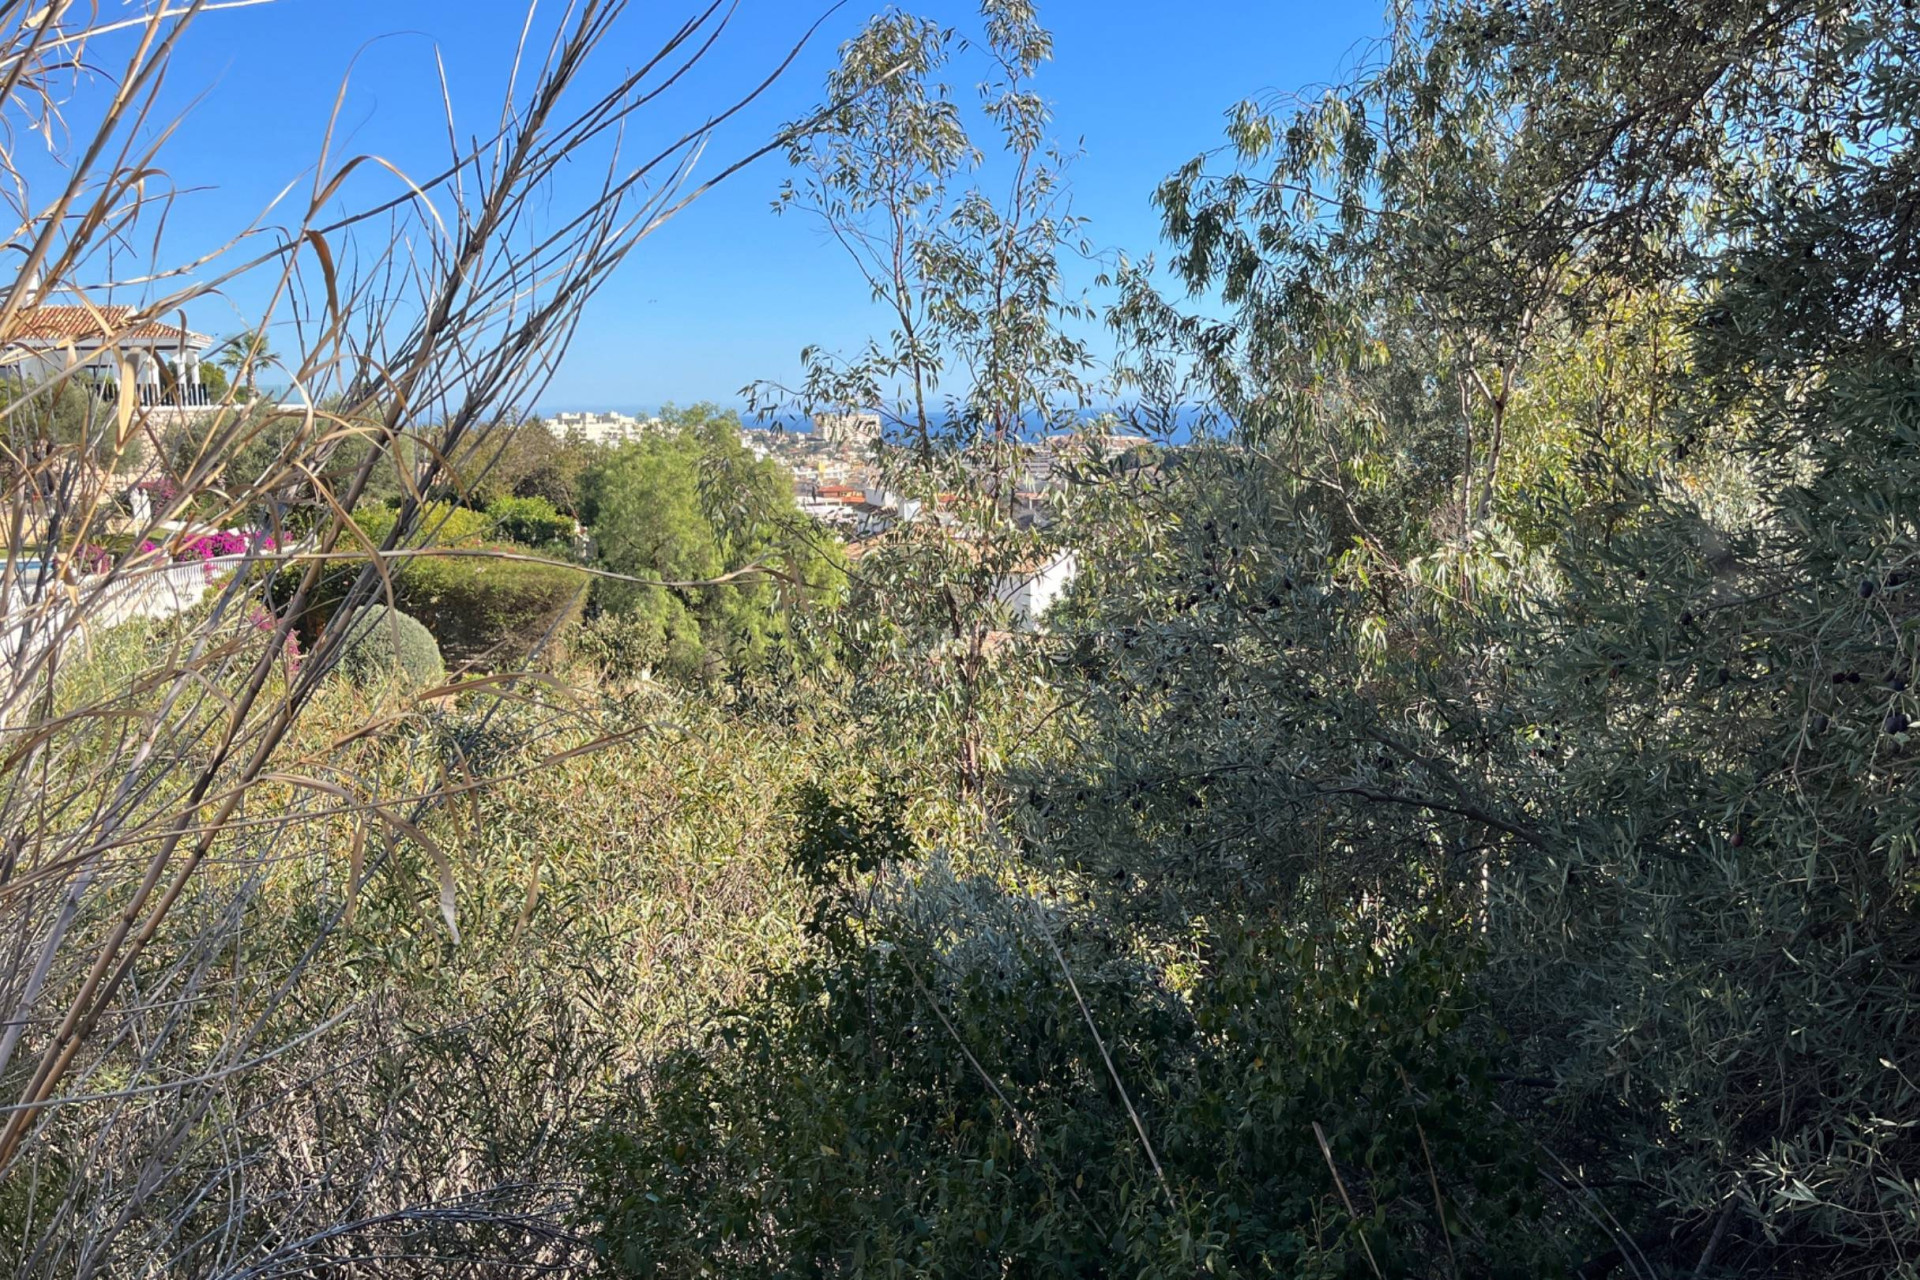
(1029, 596)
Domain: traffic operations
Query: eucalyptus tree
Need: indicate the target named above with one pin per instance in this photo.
(977, 360)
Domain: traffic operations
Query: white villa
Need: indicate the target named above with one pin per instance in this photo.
(106, 341)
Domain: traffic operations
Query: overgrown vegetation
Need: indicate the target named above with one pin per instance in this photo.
(234, 1012)
(712, 557)
(1460, 822)
(1539, 616)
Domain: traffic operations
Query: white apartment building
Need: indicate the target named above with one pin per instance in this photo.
(1031, 590)
(847, 428)
(604, 428)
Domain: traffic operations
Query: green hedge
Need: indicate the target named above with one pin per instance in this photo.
(477, 607)
(532, 522)
(496, 610)
(436, 523)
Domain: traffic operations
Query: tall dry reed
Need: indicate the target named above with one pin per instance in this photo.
(153, 776)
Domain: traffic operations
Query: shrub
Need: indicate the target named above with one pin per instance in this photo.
(218, 545)
(904, 1093)
(692, 506)
(621, 647)
(532, 522)
(480, 607)
(381, 642)
(476, 607)
(438, 524)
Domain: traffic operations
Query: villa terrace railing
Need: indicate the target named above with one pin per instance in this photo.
(188, 397)
(34, 615)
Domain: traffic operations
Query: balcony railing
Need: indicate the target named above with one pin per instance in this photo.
(182, 396)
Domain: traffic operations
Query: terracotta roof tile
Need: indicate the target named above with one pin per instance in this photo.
(84, 324)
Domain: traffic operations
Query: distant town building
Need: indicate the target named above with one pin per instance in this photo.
(1110, 444)
(604, 428)
(847, 428)
(1032, 589)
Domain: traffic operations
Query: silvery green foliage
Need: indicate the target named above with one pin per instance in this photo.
(960, 245)
(960, 1081)
(1507, 725)
(964, 922)
(1659, 747)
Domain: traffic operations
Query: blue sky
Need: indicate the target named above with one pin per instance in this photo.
(728, 293)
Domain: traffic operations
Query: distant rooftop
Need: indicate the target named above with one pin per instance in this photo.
(49, 325)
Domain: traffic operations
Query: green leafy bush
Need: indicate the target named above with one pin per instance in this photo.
(492, 609)
(691, 506)
(532, 522)
(381, 642)
(521, 460)
(624, 646)
(436, 524)
(926, 1093)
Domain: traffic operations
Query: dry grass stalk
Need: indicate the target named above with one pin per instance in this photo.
(150, 794)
